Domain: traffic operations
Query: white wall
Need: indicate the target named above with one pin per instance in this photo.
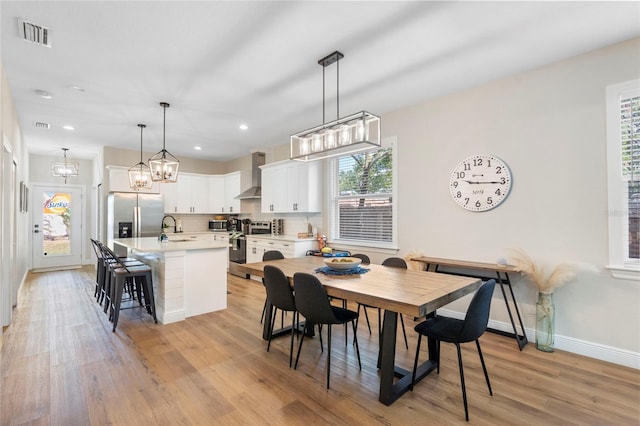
(548, 125)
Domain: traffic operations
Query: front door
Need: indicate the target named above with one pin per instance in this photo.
(57, 227)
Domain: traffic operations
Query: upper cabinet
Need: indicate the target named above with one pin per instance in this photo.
(222, 192)
(190, 194)
(119, 181)
(292, 187)
(232, 185)
(216, 193)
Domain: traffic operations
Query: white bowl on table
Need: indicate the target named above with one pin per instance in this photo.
(342, 263)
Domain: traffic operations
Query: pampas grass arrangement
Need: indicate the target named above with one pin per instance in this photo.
(561, 274)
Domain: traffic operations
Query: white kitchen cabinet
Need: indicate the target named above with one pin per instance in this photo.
(291, 187)
(169, 192)
(216, 194)
(274, 193)
(190, 194)
(119, 181)
(232, 185)
(289, 247)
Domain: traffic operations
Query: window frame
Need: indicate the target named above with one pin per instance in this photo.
(620, 265)
(332, 219)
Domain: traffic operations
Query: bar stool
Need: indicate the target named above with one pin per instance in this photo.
(120, 274)
(106, 258)
(141, 278)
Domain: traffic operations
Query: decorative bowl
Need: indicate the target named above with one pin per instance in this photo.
(342, 263)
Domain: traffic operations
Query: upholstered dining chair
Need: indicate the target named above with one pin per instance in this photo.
(397, 262)
(269, 255)
(280, 295)
(312, 302)
(452, 330)
(366, 261)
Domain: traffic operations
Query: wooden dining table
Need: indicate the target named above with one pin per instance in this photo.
(397, 291)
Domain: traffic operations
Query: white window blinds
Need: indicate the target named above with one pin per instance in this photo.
(630, 163)
(362, 197)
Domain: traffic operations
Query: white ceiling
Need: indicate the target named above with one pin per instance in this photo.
(220, 64)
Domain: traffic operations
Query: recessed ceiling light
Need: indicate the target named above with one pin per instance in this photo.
(78, 88)
(67, 127)
(244, 127)
(43, 94)
(197, 148)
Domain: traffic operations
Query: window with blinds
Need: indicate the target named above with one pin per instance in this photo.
(362, 198)
(630, 162)
(623, 170)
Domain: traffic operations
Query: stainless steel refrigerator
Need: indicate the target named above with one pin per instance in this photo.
(131, 214)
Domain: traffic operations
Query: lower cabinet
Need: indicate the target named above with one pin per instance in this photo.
(257, 247)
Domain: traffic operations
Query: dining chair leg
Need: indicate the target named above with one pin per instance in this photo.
(484, 368)
(355, 340)
(264, 311)
(272, 321)
(328, 353)
(293, 331)
(295, 366)
(464, 390)
(366, 315)
(320, 336)
(415, 363)
(404, 332)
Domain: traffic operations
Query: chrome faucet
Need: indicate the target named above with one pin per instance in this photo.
(174, 223)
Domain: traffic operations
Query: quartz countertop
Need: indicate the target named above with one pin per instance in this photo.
(152, 244)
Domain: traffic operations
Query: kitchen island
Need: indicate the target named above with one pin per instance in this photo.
(189, 276)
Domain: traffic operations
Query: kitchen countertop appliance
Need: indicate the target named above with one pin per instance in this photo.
(260, 228)
(218, 225)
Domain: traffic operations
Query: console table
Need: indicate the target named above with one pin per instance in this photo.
(485, 271)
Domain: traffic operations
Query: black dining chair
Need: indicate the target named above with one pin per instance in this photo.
(312, 302)
(280, 295)
(366, 261)
(269, 255)
(397, 262)
(452, 330)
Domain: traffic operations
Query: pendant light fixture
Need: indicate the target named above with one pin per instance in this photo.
(140, 175)
(64, 168)
(353, 133)
(163, 165)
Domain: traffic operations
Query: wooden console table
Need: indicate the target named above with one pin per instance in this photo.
(487, 271)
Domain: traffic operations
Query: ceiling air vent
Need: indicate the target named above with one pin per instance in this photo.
(41, 125)
(34, 33)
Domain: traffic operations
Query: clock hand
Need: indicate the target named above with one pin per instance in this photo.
(477, 183)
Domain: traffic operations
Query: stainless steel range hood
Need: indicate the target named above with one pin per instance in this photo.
(257, 160)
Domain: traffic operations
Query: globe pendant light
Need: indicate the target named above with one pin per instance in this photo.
(343, 136)
(139, 175)
(163, 165)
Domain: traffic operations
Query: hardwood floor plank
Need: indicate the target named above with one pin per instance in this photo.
(61, 364)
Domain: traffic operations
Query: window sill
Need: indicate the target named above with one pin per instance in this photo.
(377, 248)
(625, 272)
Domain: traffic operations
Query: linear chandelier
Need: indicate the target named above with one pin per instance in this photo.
(64, 168)
(163, 165)
(140, 175)
(353, 133)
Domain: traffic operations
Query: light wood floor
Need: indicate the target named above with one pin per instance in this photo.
(62, 365)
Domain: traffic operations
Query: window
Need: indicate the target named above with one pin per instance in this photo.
(623, 157)
(362, 198)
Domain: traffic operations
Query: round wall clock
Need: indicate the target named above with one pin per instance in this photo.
(480, 183)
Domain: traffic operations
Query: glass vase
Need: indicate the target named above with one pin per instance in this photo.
(545, 322)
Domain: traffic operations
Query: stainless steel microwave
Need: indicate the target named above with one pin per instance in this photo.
(217, 225)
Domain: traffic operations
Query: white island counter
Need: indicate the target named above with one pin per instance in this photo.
(189, 277)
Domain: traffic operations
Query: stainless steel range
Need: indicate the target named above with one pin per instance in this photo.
(238, 245)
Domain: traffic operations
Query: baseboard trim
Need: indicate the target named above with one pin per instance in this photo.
(569, 344)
